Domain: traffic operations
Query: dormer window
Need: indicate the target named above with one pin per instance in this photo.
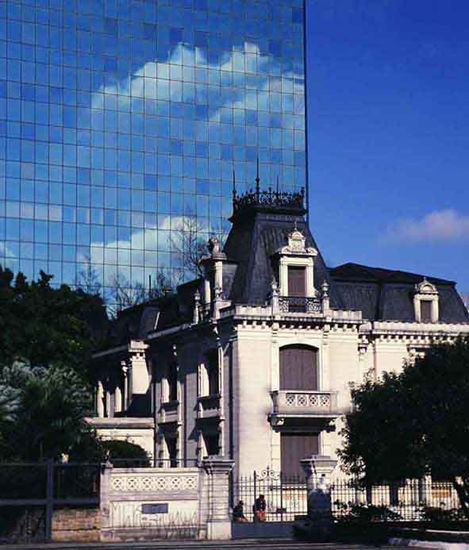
(295, 264)
(426, 302)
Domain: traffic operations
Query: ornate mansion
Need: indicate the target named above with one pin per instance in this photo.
(255, 360)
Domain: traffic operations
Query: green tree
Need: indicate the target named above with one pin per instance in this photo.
(42, 324)
(414, 423)
(50, 405)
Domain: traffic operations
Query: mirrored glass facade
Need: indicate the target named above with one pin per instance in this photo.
(121, 123)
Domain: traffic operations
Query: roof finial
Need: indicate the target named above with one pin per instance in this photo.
(258, 179)
(295, 226)
(234, 185)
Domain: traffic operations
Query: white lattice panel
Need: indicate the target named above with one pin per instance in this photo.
(308, 400)
(152, 483)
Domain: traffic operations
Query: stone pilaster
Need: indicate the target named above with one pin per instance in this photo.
(215, 509)
(104, 498)
(318, 470)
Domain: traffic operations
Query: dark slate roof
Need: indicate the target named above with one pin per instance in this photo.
(386, 294)
(138, 321)
(252, 242)
(357, 272)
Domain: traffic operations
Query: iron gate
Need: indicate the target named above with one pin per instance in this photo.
(30, 492)
(286, 496)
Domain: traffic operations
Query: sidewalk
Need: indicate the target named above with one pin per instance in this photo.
(194, 545)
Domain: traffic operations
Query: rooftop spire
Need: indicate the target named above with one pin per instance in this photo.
(234, 186)
(258, 179)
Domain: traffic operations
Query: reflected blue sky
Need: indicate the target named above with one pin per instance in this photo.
(119, 121)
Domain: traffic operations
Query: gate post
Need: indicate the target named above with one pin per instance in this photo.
(104, 499)
(318, 470)
(215, 497)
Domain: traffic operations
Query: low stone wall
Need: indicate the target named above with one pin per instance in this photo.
(76, 524)
(166, 503)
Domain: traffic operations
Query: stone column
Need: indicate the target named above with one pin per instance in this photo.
(118, 398)
(425, 490)
(207, 293)
(215, 501)
(125, 370)
(283, 277)
(100, 400)
(318, 470)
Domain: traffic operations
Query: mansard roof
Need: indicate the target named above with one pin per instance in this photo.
(388, 295)
(262, 221)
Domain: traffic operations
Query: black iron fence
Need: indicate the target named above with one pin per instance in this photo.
(285, 496)
(30, 492)
(409, 500)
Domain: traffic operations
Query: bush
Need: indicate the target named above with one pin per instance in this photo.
(437, 515)
(124, 454)
(366, 513)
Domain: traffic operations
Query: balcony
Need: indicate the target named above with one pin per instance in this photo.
(303, 408)
(170, 411)
(300, 304)
(208, 406)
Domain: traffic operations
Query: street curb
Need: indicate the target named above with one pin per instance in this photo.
(438, 545)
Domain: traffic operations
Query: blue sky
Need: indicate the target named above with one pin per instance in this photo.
(388, 113)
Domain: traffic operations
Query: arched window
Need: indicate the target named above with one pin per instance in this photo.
(298, 368)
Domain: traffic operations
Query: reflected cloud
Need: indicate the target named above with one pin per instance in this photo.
(240, 79)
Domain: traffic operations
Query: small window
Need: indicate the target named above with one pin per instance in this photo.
(171, 443)
(212, 372)
(173, 382)
(212, 445)
(426, 311)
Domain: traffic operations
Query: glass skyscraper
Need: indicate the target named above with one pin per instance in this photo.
(121, 122)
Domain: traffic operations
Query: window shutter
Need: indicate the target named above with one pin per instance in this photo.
(298, 368)
(296, 281)
(426, 311)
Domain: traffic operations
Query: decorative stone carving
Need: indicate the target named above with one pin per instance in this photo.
(213, 245)
(297, 245)
(426, 287)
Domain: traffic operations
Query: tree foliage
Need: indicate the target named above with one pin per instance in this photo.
(414, 423)
(47, 410)
(45, 325)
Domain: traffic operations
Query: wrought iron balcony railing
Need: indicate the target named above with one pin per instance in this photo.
(299, 304)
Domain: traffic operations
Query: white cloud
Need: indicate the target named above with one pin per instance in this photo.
(438, 226)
